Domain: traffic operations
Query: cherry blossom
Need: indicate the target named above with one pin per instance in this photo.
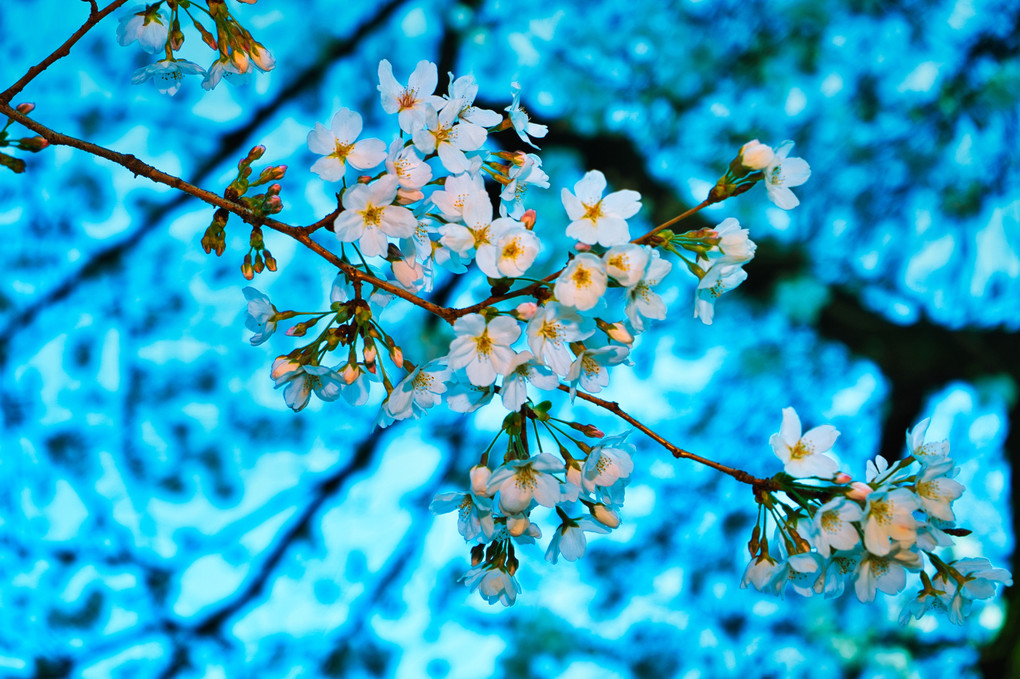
(596, 219)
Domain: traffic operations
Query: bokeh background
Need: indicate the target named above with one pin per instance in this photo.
(163, 514)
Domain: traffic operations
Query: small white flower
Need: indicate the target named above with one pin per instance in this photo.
(607, 463)
(933, 452)
(419, 391)
(442, 135)
(260, 315)
(302, 379)
(520, 121)
(462, 95)
(146, 25)
(369, 216)
(761, 573)
(582, 283)
(528, 173)
(937, 490)
(833, 526)
(409, 102)
(493, 583)
(524, 369)
(589, 369)
(483, 349)
(884, 573)
(719, 279)
(551, 330)
(783, 173)
(516, 250)
(626, 263)
(568, 539)
(734, 244)
(166, 74)
(339, 146)
(518, 482)
(411, 172)
(474, 513)
(642, 303)
(889, 515)
(803, 456)
(596, 219)
(454, 195)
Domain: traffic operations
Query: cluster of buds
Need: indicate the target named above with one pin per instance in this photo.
(30, 144)
(832, 531)
(238, 53)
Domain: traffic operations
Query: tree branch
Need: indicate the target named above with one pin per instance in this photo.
(94, 18)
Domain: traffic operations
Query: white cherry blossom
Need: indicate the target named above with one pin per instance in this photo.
(782, 173)
(146, 25)
(369, 216)
(582, 283)
(596, 219)
(568, 539)
(719, 279)
(339, 145)
(483, 349)
(522, 124)
(642, 303)
(260, 315)
(518, 482)
(409, 102)
(524, 369)
(551, 330)
(889, 516)
(803, 456)
(833, 528)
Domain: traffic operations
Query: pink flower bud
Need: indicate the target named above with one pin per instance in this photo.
(351, 373)
(755, 156)
(582, 247)
(397, 354)
(859, 491)
(25, 108)
(479, 480)
(842, 477)
(240, 61)
(606, 516)
(528, 219)
(283, 365)
(619, 333)
(262, 57)
(525, 310)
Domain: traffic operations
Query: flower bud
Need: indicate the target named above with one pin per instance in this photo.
(246, 267)
(842, 478)
(270, 260)
(240, 61)
(479, 480)
(477, 552)
(25, 108)
(283, 366)
(351, 373)
(859, 491)
(582, 247)
(525, 310)
(755, 156)
(605, 515)
(262, 57)
(528, 219)
(397, 354)
(619, 333)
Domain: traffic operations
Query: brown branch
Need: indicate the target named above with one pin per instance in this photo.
(94, 18)
(614, 407)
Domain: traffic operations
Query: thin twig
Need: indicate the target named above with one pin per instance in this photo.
(613, 407)
(94, 18)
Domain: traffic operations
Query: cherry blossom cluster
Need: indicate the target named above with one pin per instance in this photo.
(238, 54)
(832, 531)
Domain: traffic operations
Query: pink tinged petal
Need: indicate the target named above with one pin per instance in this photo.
(624, 203)
(367, 153)
(820, 439)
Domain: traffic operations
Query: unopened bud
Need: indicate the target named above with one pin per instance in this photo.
(262, 57)
(258, 264)
(528, 219)
(606, 516)
(33, 144)
(351, 373)
(397, 354)
(246, 267)
(755, 156)
(255, 153)
(480, 479)
(525, 310)
(477, 554)
(25, 108)
(582, 247)
(273, 205)
(240, 61)
(619, 333)
(842, 478)
(859, 491)
(282, 366)
(589, 430)
(364, 179)
(270, 260)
